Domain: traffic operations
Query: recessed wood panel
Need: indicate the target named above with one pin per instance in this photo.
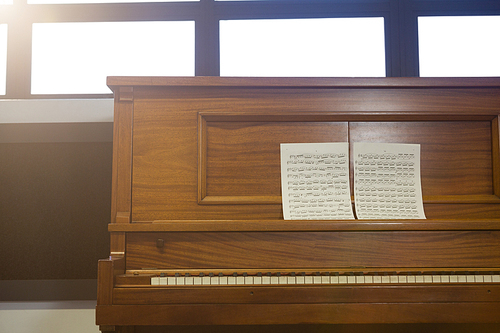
(456, 156)
(243, 158)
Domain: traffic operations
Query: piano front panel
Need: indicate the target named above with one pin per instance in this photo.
(285, 250)
(215, 154)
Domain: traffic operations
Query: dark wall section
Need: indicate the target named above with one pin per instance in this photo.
(55, 197)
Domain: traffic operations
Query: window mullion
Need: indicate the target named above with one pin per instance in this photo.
(207, 40)
(19, 55)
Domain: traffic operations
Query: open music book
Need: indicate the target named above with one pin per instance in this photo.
(315, 181)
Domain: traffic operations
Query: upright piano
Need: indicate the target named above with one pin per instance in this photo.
(197, 235)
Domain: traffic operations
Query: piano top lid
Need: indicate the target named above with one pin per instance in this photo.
(303, 82)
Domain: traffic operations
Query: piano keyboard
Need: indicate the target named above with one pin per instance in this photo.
(322, 278)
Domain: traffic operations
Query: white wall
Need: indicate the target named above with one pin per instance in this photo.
(48, 317)
(56, 111)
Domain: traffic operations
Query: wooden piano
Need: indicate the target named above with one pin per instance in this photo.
(197, 229)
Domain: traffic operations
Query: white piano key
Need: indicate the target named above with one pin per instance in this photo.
(323, 279)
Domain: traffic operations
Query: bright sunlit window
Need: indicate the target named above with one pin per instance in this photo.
(98, 1)
(3, 57)
(459, 46)
(340, 47)
(75, 58)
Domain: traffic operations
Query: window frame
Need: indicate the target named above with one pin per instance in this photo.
(400, 17)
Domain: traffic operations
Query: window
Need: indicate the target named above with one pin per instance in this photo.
(459, 45)
(71, 58)
(50, 47)
(98, 1)
(303, 47)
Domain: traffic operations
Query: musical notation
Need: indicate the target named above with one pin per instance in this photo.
(315, 181)
(387, 181)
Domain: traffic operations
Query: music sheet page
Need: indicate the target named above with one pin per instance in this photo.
(315, 181)
(387, 181)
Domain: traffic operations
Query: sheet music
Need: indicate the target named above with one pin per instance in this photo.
(315, 181)
(387, 181)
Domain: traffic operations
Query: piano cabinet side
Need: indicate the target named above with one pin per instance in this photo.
(121, 201)
(106, 272)
(495, 131)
